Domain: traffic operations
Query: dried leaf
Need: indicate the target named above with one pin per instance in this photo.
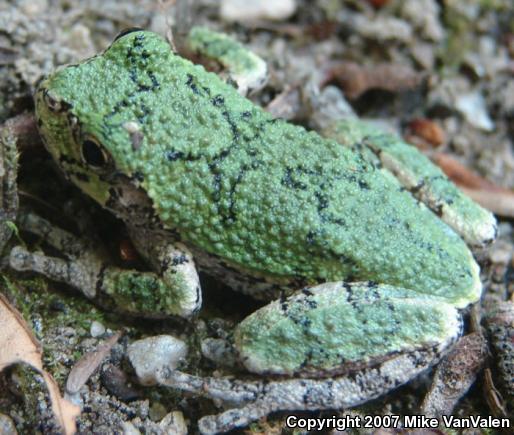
(378, 3)
(355, 79)
(492, 396)
(287, 104)
(497, 199)
(426, 130)
(499, 321)
(461, 175)
(23, 127)
(86, 366)
(19, 346)
(500, 203)
(455, 375)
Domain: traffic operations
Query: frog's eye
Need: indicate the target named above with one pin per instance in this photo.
(93, 154)
(127, 31)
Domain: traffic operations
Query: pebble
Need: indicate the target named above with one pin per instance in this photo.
(473, 107)
(129, 429)
(7, 425)
(424, 15)
(117, 383)
(379, 28)
(151, 354)
(244, 10)
(174, 423)
(97, 329)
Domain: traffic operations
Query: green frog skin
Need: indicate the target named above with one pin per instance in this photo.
(199, 173)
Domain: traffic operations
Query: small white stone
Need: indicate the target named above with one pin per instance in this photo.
(473, 107)
(244, 10)
(7, 425)
(97, 329)
(424, 15)
(152, 354)
(174, 423)
(129, 429)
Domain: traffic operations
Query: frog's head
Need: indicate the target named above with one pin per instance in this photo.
(95, 117)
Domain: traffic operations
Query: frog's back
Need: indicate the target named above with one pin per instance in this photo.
(258, 192)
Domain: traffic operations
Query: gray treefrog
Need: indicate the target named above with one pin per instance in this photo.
(368, 280)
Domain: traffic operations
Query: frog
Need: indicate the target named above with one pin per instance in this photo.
(367, 283)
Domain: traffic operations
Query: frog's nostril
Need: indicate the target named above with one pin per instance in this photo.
(53, 103)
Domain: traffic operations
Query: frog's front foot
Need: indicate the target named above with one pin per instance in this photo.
(174, 291)
(332, 346)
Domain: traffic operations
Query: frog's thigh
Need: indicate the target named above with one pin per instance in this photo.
(324, 329)
(176, 268)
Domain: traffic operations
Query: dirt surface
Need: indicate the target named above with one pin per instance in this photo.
(439, 73)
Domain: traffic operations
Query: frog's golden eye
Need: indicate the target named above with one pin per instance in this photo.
(93, 154)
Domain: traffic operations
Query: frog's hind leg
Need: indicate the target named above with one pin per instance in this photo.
(365, 339)
(85, 267)
(260, 398)
(421, 177)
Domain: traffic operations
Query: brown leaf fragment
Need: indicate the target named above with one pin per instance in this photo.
(499, 321)
(461, 175)
(287, 104)
(492, 395)
(127, 251)
(497, 199)
(322, 30)
(423, 131)
(86, 366)
(500, 203)
(24, 129)
(378, 3)
(455, 375)
(19, 346)
(355, 79)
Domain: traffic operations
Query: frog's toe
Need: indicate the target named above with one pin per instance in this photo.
(147, 294)
(70, 272)
(245, 68)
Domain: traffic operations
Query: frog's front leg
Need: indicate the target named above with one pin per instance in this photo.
(86, 268)
(173, 262)
(365, 339)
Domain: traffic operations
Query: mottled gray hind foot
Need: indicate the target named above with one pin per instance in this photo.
(260, 398)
